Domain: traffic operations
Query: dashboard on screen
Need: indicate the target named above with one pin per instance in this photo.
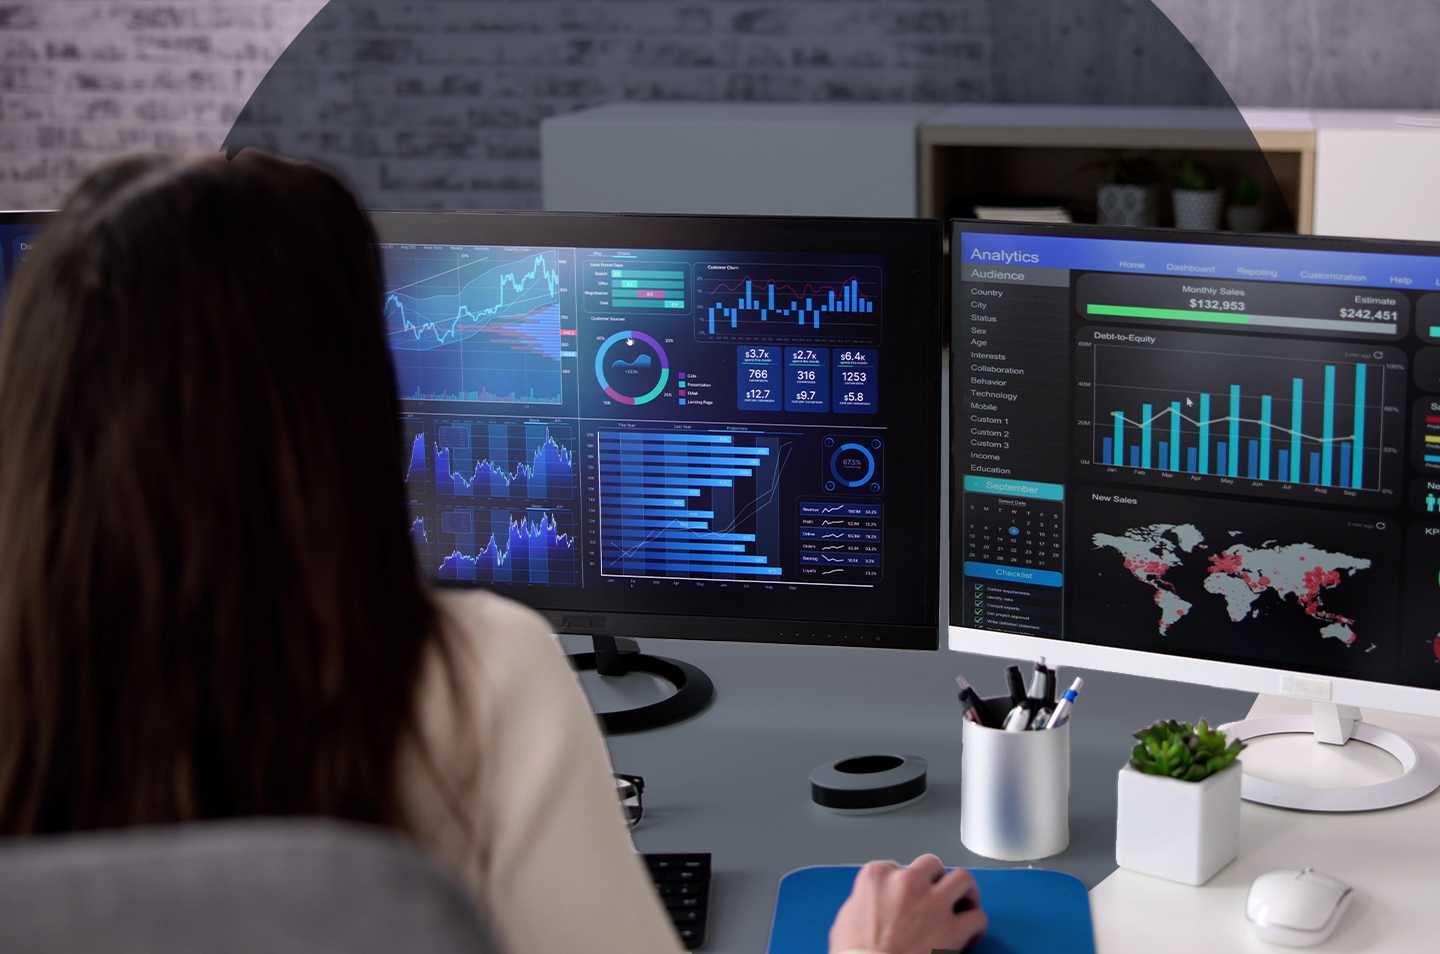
(18, 232)
(1219, 447)
(710, 433)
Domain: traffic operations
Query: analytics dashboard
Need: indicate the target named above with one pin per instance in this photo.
(1222, 447)
(664, 429)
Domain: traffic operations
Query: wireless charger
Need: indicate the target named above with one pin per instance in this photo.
(869, 783)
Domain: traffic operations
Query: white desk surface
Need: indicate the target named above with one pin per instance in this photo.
(1391, 857)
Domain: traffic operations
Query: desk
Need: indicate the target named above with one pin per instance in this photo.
(1389, 857)
(734, 780)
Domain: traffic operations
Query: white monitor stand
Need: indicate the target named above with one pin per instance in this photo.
(1332, 724)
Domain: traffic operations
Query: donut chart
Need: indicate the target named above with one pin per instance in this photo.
(849, 460)
(632, 368)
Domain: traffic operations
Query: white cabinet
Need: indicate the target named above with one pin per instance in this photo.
(734, 158)
(1377, 174)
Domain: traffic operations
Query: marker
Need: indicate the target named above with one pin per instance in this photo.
(1036, 695)
(1018, 720)
(970, 701)
(1062, 708)
(1016, 682)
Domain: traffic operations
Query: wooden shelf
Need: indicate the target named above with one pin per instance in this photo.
(1058, 152)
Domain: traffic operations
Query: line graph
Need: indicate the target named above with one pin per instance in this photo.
(479, 545)
(479, 457)
(788, 303)
(475, 324)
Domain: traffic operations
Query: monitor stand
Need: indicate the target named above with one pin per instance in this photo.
(1333, 724)
(616, 657)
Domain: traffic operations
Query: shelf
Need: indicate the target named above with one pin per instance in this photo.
(1058, 152)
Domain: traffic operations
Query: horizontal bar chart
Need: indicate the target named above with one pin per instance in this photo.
(688, 505)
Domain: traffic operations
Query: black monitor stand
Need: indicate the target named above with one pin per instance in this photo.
(617, 656)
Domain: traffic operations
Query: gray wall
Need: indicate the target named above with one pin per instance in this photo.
(81, 80)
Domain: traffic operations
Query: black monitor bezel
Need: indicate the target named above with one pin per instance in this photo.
(916, 242)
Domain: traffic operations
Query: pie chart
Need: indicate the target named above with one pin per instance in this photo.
(632, 368)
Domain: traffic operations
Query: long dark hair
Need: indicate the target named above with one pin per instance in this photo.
(209, 603)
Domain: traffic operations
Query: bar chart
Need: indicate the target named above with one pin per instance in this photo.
(1288, 414)
(799, 302)
(648, 289)
(690, 504)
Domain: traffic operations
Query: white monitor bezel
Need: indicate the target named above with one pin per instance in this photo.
(1266, 680)
(1222, 675)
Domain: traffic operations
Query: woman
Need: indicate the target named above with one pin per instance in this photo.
(209, 604)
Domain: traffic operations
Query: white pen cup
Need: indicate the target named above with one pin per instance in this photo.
(1014, 788)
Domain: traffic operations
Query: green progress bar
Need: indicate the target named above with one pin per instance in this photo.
(646, 273)
(1170, 314)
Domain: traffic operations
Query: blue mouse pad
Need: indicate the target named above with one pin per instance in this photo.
(1031, 911)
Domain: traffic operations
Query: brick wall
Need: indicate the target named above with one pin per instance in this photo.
(440, 103)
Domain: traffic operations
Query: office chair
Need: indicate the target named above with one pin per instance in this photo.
(263, 886)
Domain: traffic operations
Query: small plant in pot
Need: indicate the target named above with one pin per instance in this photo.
(1245, 213)
(1179, 803)
(1198, 200)
(1130, 193)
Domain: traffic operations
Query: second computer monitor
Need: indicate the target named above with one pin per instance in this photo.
(1205, 457)
(705, 427)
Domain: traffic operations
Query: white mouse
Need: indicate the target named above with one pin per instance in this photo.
(1296, 908)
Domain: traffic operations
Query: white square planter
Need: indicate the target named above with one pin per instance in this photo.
(1182, 831)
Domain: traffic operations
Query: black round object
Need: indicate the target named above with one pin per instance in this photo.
(693, 692)
(869, 782)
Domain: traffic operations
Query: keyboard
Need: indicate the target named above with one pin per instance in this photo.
(684, 884)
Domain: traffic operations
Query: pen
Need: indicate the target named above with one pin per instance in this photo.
(970, 701)
(1062, 708)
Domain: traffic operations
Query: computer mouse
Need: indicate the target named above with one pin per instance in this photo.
(1296, 908)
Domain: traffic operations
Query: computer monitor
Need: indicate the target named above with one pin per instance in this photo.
(18, 231)
(1205, 457)
(712, 428)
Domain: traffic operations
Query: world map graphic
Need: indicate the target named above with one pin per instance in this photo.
(1300, 574)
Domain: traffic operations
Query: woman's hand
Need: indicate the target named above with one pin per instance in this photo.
(918, 909)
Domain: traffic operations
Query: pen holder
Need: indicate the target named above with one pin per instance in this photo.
(1014, 788)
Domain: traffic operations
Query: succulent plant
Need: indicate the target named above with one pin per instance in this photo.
(1182, 751)
(1247, 192)
(1194, 176)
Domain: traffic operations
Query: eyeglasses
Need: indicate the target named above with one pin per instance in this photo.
(631, 789)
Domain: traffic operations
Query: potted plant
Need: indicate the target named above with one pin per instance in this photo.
(1130, 193)
(1179, 803)
(1198, 200)
(1245, 213)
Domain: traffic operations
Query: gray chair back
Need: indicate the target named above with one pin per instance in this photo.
(257, 886)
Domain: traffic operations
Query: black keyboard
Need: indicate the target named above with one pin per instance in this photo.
(684, 884)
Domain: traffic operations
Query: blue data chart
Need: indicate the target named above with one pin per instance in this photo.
(488, 457)
(533, 547)
(841, 541)
(1285, 418)
(474, 324)
(852, 464)
(791, 302)
(691, 504)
